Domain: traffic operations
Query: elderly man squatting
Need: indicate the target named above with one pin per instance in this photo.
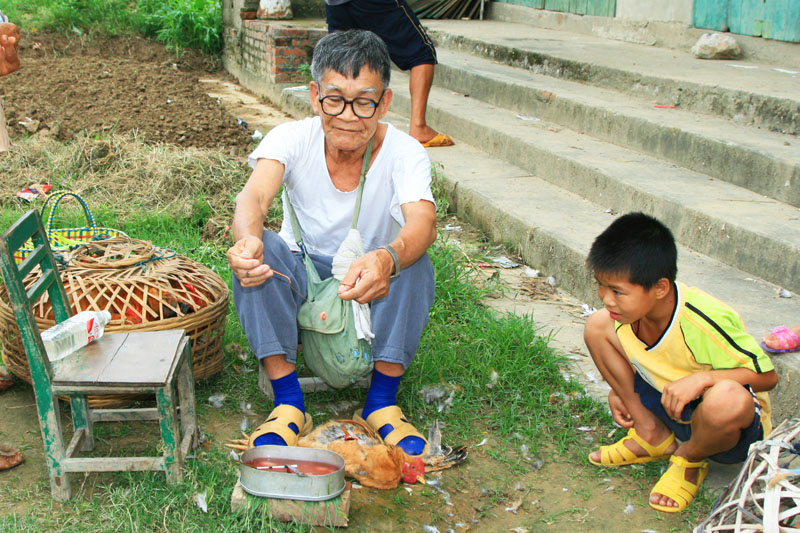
(318, 161)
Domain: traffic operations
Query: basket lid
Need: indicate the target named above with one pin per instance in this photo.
(116, 252)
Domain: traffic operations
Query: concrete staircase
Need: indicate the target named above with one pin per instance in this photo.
(557, 132)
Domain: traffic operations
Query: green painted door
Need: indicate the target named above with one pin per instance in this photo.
(784, 20)
(536, 4)
(710, 14)
(771, 19)
(603, 8)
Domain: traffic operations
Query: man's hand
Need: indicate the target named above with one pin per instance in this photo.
(9, 48)
(677, 394)
(368, 277)
(246, 259)
(619, 412)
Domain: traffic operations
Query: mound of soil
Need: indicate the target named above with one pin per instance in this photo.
(67, 85)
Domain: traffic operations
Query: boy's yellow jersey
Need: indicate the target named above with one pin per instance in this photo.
(704, 334)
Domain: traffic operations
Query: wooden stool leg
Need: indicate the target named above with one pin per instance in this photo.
(50, 422)
(82, 420)
(170, 435)
(187, 401)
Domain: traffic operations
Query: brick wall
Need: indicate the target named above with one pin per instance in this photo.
(287, 49)
(265, 55)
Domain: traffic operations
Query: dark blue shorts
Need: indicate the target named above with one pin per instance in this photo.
(651, 399)
(391, 20)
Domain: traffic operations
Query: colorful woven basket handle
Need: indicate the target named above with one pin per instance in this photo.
(56, 198)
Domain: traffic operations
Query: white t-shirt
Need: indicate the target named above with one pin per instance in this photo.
(400, 173)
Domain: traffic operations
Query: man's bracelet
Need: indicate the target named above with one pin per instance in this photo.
(395, 258)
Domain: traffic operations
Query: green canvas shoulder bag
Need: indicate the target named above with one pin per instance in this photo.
(331, 347)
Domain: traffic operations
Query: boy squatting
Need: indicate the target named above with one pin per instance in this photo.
(679, 362)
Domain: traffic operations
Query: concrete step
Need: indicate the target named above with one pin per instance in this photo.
(636, 23)
(713, 217)
(544, 192)
(760, 160)
(552, 230)
(752, 93)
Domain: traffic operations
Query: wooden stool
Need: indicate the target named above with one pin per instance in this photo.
(155, 362)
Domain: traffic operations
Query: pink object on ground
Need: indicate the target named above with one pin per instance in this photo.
(787, 339)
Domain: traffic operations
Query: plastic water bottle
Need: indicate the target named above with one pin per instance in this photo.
(74, 333)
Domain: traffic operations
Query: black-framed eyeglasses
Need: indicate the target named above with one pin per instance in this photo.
(362, 106)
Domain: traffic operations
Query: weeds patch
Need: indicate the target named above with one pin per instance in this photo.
(176, 23)
(123, 179)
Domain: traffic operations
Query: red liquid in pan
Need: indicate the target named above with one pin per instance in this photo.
(311, 468)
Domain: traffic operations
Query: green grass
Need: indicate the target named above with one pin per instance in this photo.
(464, 346)
(176, 23)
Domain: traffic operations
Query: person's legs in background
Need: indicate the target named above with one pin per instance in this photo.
(410, 48)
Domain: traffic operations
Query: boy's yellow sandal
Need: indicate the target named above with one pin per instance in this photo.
(618, 454)
(673, 484)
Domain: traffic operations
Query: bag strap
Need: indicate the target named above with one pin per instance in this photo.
(364, 168)
(297, 230)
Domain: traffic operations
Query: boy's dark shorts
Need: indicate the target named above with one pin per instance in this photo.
(651, 399)
(391, 20)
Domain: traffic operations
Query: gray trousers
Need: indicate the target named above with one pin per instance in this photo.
(268, 312)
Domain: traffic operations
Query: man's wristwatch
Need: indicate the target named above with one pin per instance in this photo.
(395, 258)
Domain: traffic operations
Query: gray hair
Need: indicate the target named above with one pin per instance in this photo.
(347, 52)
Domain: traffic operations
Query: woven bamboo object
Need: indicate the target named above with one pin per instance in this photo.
(765, 496)
(145, 288)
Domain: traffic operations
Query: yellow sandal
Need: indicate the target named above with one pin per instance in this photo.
(673, 484)
(618, 454)
(393, 416)
(278, 422)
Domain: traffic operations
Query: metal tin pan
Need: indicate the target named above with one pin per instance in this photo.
(291, 486)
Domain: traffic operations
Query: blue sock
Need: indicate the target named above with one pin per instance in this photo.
(383, 393)
(287, 392)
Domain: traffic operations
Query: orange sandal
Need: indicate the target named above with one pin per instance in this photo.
(6, 378)
(10, 456)
(439, 140)
(618, 454)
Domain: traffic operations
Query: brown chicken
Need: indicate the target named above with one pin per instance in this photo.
(371, 462)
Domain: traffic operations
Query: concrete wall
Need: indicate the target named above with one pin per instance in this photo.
(660, 10)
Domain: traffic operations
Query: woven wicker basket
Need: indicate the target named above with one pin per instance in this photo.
(145, 289)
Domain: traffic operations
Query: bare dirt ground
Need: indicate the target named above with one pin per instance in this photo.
(66, 86)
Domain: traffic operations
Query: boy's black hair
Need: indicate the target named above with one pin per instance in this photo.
(636, 245)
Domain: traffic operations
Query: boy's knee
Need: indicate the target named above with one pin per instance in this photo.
(729, 401)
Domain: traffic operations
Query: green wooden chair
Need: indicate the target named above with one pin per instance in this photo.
(155, 362)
